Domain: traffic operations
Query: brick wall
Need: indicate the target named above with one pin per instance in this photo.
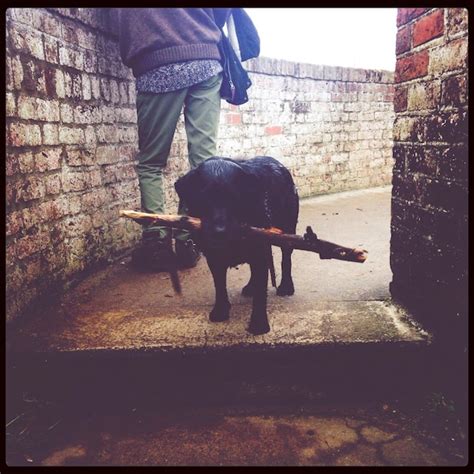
(331, 126)
(71, 141)
(430, 181)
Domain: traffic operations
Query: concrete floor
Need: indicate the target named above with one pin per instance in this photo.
(334, 301)
(337, 305)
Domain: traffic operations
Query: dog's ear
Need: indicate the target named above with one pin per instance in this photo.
(186, 186)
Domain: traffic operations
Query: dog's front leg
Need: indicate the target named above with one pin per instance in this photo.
(258, 319)
(286, 287)
(221, 309)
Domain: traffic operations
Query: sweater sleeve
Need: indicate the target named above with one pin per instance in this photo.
(221, 15)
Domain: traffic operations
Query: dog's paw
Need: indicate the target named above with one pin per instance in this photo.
(247, 290)
(286, 289)
(219, 314)
(258, 328)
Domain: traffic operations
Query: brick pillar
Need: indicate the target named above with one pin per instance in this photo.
(430, 181)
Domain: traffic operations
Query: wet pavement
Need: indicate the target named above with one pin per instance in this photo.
(251, 440)
(377, 434)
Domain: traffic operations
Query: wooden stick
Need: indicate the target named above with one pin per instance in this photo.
(273, 235)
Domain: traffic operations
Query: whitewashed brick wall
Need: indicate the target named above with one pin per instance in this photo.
(331, 126)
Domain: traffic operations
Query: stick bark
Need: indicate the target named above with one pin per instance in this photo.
(272, 235)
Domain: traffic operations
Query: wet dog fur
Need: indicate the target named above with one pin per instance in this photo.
(227, 194)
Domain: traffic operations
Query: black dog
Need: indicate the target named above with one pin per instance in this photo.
(227, 195)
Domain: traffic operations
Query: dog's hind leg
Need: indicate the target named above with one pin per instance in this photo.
(259, 319)
(286, 287)
(248, 289)
(221, 309)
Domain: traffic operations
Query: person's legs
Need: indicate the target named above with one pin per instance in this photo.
(157, 116)
(202, 107)
(157, 119)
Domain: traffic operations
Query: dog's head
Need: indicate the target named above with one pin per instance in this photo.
(222, 194)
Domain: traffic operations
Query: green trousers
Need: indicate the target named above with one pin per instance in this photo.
(158, 116)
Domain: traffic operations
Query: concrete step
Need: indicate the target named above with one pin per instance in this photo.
(186, 329)
(338, 334)
(324, 347)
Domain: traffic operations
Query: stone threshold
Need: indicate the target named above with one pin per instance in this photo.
(187, 329)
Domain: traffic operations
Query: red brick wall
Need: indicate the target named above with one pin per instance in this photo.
(71, 142)
(430, 180)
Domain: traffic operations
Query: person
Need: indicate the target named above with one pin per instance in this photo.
(174, 56)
